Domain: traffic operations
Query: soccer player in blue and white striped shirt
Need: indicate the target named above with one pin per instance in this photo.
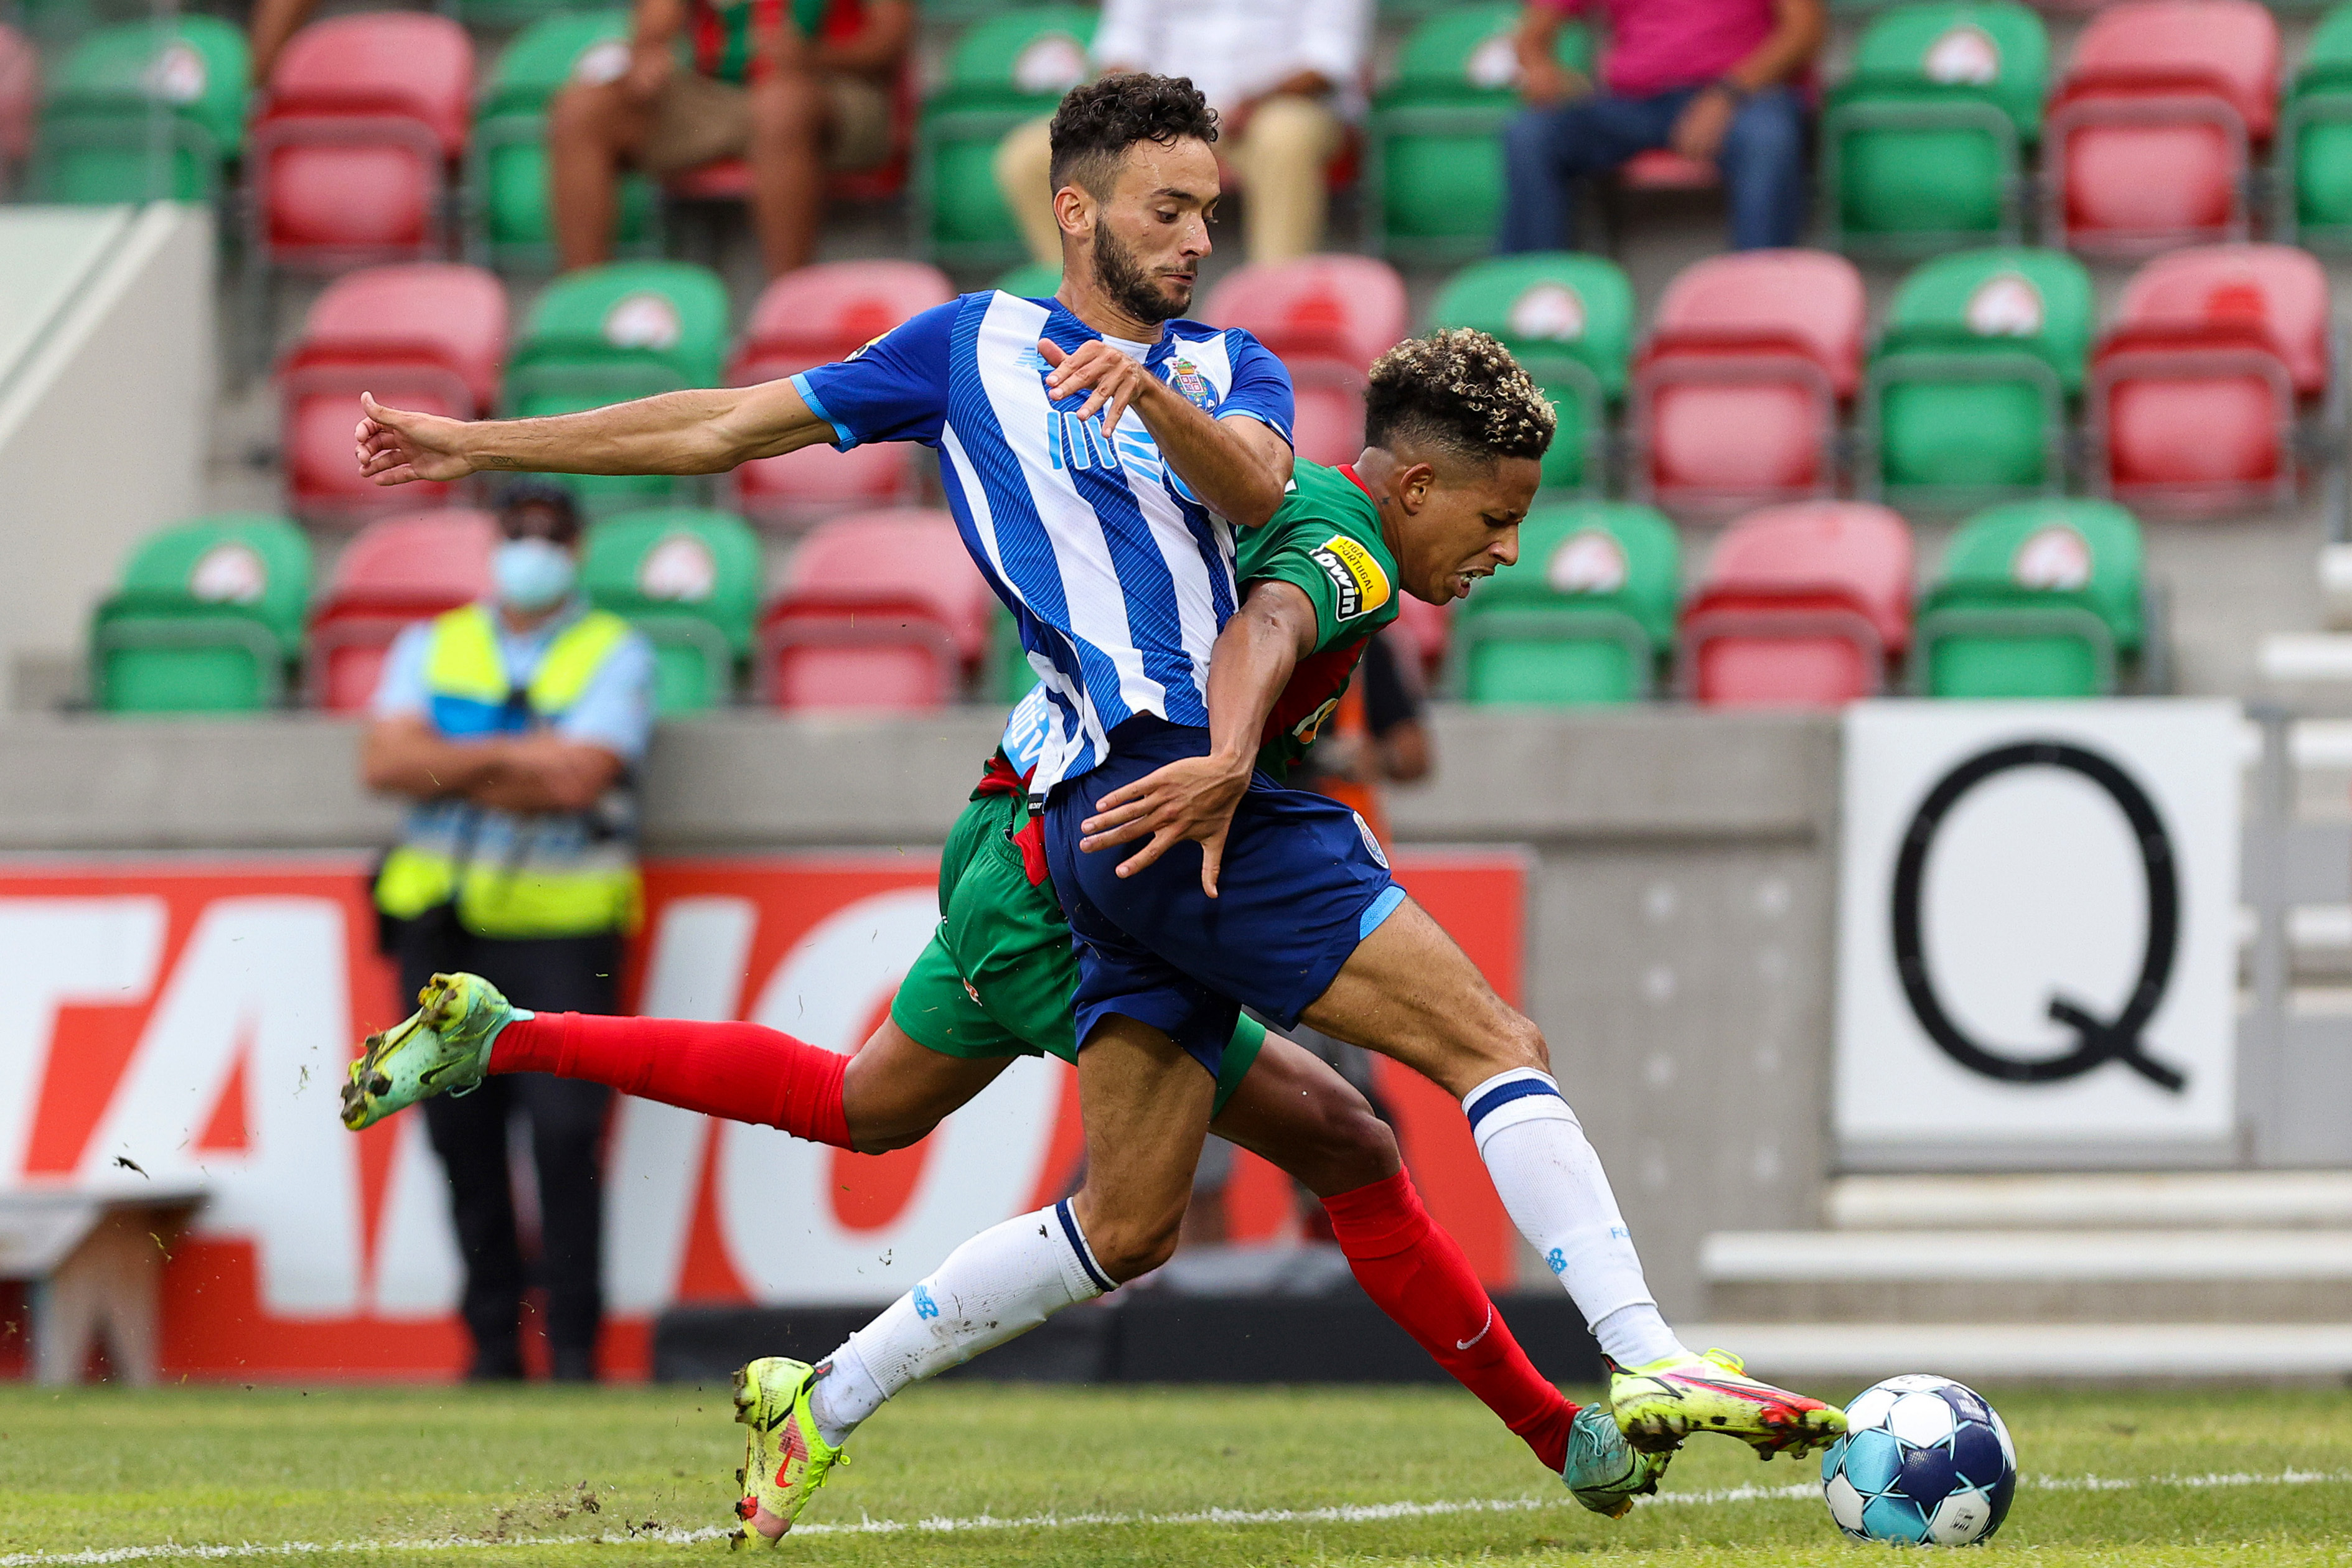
(1099, 450)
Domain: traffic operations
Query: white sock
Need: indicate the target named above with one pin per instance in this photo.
(1551, 1182)
(997, 1286)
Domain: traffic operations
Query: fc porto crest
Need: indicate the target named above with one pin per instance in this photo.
(1191, 385)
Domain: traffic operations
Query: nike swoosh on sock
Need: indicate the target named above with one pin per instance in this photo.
(1474, 1339)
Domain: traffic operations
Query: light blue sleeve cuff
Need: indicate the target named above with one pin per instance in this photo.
(844, 438)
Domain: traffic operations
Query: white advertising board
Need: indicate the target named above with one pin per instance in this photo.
(2037, 931)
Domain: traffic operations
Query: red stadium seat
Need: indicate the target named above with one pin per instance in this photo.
(20, 92)
(2194, 391)
(1329, 318)
(426, 335)
(1803, 605)
(350, 154)
(391, 575)
(1736, 393)
(2152, 132)
(814, 317)
(885, 610)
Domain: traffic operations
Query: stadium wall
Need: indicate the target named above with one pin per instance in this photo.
(106, 393)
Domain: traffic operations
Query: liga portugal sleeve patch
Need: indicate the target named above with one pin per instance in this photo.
(1363, 586)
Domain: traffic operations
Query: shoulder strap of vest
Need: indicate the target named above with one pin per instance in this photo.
(580, 651)
(462, 660)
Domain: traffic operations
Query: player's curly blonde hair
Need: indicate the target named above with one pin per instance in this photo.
(1461, 390)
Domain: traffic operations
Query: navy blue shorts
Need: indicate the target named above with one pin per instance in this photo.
(1303, 883)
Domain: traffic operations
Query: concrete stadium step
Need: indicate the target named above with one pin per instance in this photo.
(2145, 1276)
(2129, 1200)
(2038, 1352)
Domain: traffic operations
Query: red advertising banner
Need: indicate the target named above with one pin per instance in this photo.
(194, 1018)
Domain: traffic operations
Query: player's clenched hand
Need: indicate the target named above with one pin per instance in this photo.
(1193, 798)
(396, 446)
(1110, 379)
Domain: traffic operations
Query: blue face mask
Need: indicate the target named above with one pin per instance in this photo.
(533, 574)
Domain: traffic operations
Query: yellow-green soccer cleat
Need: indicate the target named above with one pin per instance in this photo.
(442, 1048)
(1606, 1472)
(784, 1458)
(1660, 1404)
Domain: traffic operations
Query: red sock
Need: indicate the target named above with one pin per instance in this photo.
(1409, 1264)
(738, 1071)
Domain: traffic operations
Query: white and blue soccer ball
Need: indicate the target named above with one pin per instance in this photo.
(1925, 1461)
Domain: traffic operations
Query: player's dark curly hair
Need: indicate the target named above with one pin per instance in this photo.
(1101, 121)
(1460, 390)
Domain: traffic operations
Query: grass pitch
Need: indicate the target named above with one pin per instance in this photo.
(618, 1477)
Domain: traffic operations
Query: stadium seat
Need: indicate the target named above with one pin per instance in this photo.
(1004, 71)
(207, 618)
(20, 94)
(1968, 391)
(1582, 618)
(2311, 183)
(1329, 318)
(885, 610)
(392, 574)
(1923, 145)
(2195, 390)
(1033, 280)
(505, 214)
(626, 330)
(812, 317)
(426, 335)
(689, 581)
(1568, 319)
(1735, 395)
(93, 143)
(2152, 135)
(2037, 599)
(1805, 605)
(1434, 157)
(349, 153)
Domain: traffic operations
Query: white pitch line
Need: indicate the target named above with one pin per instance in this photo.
(1344, 1513)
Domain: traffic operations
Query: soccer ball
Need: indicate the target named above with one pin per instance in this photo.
(1925, 1461)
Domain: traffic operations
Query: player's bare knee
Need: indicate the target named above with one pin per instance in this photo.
(1127, 1247)
(1349, 1147)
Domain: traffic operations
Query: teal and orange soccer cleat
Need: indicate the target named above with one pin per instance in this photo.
(442, 1048)
(1604, 1472)
(1659, 1404)
(785, 1458)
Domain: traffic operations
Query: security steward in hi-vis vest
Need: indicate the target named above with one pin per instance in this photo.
(515, 725)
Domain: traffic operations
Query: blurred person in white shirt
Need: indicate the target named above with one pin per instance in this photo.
(1286, 78)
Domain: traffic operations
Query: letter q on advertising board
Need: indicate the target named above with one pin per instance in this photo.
(2037, 949)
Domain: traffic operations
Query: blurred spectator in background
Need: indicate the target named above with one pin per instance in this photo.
(1714, 80)
(796, 89)
(272, 23)
(515, 725)
(1286, 78)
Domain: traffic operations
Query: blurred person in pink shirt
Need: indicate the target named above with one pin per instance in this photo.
(1716, 80)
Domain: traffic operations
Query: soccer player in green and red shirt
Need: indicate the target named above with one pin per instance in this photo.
(996, 981)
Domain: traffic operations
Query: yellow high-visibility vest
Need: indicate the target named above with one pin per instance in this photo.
(514, 874)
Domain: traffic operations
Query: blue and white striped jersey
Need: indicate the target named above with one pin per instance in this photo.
(1120, 579)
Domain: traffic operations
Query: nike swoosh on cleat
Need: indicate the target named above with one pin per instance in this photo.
(1474, 1339)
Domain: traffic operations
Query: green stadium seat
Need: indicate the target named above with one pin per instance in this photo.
(506, 213)
(1584, 617)
(2036, 599)
(1433, 171)
(1004, 71)
(1967, 394)
(2314, 176)
(690, 580)
(605, 334)
(207, 618)
(1923, 146)
(1569, 318)
(1009, 675)
(1033, 280)
(94, 145)
(503, 16)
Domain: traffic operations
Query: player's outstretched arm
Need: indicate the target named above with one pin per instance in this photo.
(1238, 467)
(1194, 798)
(706, 431)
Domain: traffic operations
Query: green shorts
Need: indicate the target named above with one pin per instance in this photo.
(997, 976)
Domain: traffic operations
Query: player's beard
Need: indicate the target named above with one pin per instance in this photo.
(1118, 275)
